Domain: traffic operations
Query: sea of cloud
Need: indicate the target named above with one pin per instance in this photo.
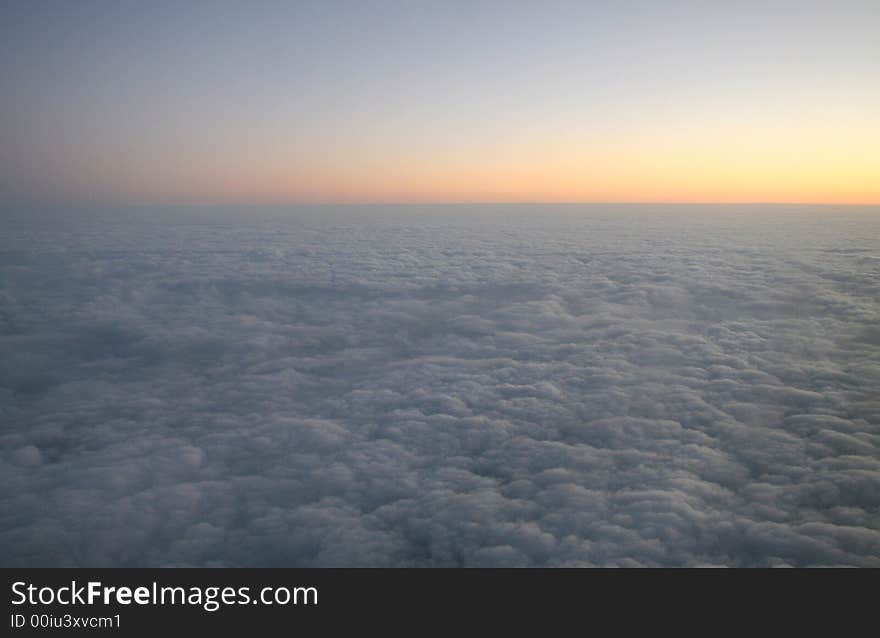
(608, 386)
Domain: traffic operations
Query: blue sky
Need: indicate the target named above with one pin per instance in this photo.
(448, 101)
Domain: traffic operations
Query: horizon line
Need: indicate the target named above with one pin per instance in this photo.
(258, 204)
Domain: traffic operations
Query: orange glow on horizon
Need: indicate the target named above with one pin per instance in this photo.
(748, 163)
(682, 179)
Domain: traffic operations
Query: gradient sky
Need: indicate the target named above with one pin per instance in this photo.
(439, 101)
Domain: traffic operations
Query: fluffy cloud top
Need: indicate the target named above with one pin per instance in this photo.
(558, 388)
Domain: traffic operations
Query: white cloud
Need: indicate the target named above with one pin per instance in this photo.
(556, 390)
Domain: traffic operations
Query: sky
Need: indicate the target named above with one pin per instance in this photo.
(427, 101)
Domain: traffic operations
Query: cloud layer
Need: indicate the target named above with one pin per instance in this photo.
(463, 389)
